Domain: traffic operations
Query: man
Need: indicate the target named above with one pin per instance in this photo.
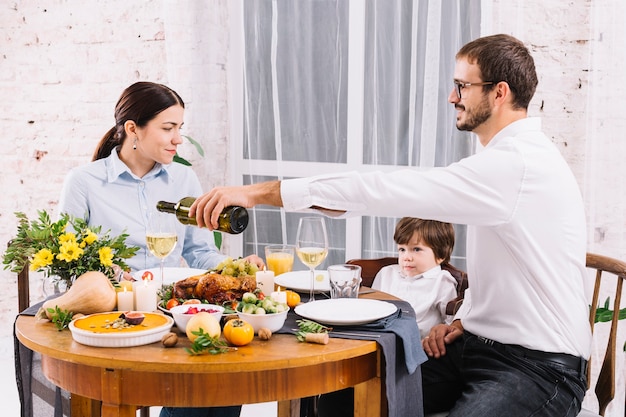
(519, 343)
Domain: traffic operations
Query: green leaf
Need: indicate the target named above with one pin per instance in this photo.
(217, 237)
(196, 144)
(181, 160)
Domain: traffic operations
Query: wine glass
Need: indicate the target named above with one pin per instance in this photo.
(312, 245)
(161, 236)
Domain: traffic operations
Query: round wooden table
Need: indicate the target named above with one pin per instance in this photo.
(280, 369)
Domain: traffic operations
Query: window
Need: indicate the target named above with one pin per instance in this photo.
(329, 86)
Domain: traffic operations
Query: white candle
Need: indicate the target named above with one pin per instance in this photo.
(279, 297)
(145, 296)
(265, 281)
(125, 300)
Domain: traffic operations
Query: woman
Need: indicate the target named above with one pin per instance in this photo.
(131, 170)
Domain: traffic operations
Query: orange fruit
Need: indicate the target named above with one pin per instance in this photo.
(293, 298)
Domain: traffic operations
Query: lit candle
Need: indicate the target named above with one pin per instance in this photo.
(126, 285)
(125, 300)
(145, 296)
(279, 297)
(265, 281)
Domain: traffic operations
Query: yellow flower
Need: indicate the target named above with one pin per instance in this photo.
(69, 251)
(67, 237)
(106, 256)
(90, 237)
(42, 258)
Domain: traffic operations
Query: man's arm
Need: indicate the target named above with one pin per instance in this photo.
(207, 208)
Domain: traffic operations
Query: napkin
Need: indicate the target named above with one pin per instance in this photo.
(32, 310)
(398, 337)
(402, 323)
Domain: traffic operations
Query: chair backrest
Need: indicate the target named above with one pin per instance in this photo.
(608, 269)
(370, 267)
(23, 289)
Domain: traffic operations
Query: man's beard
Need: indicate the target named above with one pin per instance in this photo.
(474, 117)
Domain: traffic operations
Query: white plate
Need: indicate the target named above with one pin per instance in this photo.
(170, 274)
(345, 311)
(301, 281)
(109, 338)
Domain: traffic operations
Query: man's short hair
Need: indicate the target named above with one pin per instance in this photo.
(504, 58)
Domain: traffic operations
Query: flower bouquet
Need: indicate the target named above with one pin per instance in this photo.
(63, 252)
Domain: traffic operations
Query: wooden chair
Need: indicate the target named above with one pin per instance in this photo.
(58, 400)
(611, 270)
(370, 267)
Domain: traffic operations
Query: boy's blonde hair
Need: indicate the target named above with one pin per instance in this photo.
(439, 236)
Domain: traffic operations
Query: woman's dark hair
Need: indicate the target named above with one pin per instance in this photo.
(140, 102)
(438, 236)
(504, 58)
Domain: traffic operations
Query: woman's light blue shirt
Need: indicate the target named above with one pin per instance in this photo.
(106, 193)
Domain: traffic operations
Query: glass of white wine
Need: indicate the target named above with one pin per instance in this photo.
(161, 236)
(312, 246)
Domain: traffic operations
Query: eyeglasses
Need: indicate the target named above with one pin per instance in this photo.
(459, 86)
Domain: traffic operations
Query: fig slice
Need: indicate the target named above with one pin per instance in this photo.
(133, 317)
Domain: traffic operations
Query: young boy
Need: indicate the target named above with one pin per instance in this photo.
(423, 245)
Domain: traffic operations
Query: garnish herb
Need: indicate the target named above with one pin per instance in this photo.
(309, 326)
(204, 343)
(60, 318)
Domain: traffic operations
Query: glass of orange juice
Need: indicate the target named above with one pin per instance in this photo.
(279, 258)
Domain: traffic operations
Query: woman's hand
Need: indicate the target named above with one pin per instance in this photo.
(441, 335)
(254, 259)
(122, 275)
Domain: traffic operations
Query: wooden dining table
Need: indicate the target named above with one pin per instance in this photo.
(113, 382)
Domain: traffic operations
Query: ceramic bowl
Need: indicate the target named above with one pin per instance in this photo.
(181, 315)
(273, 321)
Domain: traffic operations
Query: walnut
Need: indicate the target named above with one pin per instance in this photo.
(265, 333)
(170, 339)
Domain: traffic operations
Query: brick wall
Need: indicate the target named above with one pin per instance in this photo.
(63, 65)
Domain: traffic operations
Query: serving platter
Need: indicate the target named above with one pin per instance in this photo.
(301, 281)
(345, 311)
(170, 274)
(92, 330)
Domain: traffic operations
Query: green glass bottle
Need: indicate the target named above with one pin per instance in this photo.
(232, 220)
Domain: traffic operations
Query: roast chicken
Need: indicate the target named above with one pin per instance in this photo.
(214, 288)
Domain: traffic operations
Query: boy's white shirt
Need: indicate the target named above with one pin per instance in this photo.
(428, 293)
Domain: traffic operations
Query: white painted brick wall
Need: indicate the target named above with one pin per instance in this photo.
(63, 64)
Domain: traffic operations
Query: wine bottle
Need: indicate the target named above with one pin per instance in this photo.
(233, 219)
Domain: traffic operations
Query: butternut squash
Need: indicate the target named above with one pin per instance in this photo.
(90, 293)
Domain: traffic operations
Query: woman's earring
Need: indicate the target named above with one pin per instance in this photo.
(135, 143)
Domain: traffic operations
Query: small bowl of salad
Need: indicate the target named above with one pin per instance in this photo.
(261, 311)
(182, 313)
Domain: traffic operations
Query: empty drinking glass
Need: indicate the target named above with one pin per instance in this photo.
(345, 280)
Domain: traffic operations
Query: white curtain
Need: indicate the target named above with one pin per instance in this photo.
(336, 85)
